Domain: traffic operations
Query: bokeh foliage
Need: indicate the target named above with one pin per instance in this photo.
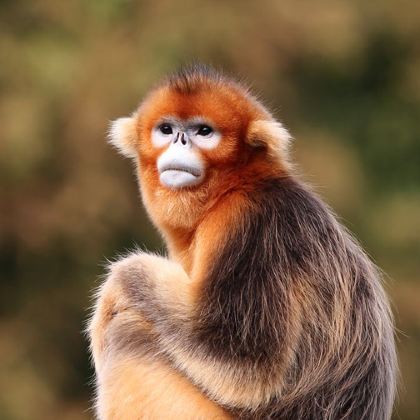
(343, 76)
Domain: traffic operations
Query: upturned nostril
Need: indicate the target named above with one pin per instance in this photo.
(176, 138)
(183, 141)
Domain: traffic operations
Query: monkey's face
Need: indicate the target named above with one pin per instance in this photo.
(181, 163)
(195, 138)
(187, 139)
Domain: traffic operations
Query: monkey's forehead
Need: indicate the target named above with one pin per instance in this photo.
(225, 107)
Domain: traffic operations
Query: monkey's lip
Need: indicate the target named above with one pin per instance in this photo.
(193, 171)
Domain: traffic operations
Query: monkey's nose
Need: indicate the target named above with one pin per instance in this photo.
(182, 137)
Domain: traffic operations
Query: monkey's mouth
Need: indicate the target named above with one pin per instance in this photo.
(179, 176)
(178, 168)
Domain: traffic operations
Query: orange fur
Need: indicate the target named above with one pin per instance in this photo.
(233, 164)
(157, 388)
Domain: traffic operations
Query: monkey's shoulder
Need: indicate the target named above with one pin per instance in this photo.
(289, 222)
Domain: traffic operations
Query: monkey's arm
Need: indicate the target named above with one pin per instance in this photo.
(134, 380)
(161, 291)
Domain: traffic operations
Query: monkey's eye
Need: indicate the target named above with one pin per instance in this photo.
(165, 129)
(204, 130)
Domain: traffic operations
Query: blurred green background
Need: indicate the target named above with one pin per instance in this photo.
(344, 77)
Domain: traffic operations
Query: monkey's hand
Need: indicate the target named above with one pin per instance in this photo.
(133, 379)
(135, 286)
(115, 311)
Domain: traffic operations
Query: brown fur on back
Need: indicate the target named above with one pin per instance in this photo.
(293, 295)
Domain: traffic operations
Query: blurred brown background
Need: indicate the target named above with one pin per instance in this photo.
(344, 77)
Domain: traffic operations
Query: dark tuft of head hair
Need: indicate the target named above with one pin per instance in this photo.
(195, 76)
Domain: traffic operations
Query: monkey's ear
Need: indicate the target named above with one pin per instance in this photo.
(123, 136)
(271, 135)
